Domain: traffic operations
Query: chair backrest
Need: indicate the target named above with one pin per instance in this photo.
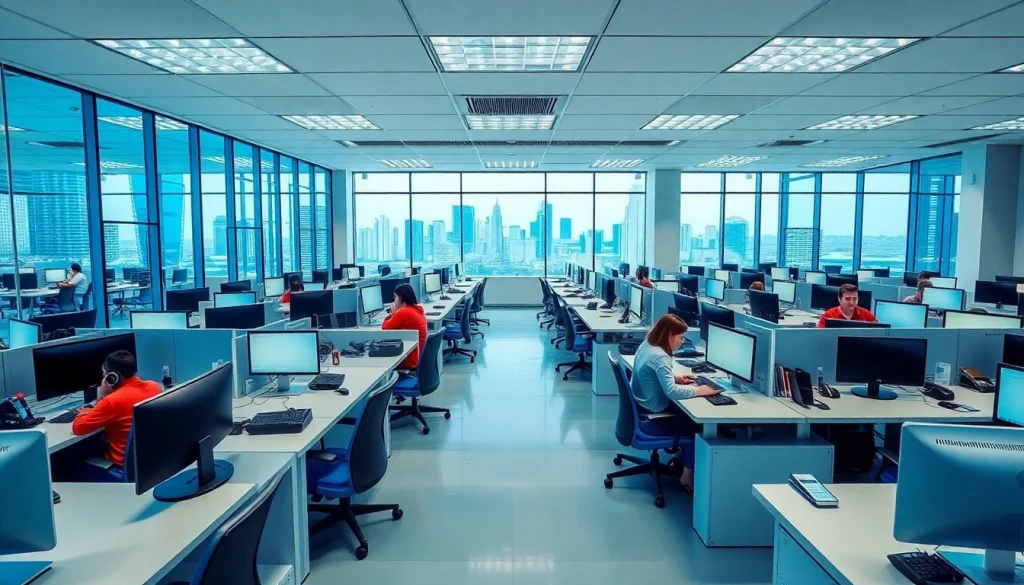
(478, 296)
(385, 271)
(568, 323)
(368, 453)
(465, 322)
(66, 299)
(428, 374)
(146, 295)
(545, 290)
(231, 555)
(87, 295)
(626, 421)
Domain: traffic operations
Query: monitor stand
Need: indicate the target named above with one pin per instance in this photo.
(208, 475)
(22, 572)
(284, 383)
(991, 567)
(874, 391)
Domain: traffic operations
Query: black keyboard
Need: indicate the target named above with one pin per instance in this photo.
(705, 381)
(702, 368)
(456, 291)
(280, 422)
(327, 382)
(690, 363)
(689, 353)
(65, 417)
(923, 568)
(444, 298)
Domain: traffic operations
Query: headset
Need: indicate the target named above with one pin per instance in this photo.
(112, 379)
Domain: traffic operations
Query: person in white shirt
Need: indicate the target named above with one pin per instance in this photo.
(77, 278)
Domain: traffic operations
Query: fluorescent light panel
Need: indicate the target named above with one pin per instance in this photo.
(1014, 69)
(510, 53)
(1017, 124)
(405, 163)
(816, 54)
(241, 162)
(689, 122)
(509, 122)
(861, 122)
(617, 163)
(510, 164)
(731, 161)
(198, 56)
(843, 161)
(332, 122)
(4, 128)
(135, 122)
(112, 165)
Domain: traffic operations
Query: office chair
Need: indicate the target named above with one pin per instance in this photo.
(65, 302)
(321, 276)
(88, 293)
(478, 305)
(547, 313)
(633, 429)
(385, 271)
(231, 555)
(580, 343)
(143, 299)
(356, 468)
(461, 329)
(426, 380)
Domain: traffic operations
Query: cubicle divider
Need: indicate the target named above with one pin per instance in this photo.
(17, 370)
(883, 292)
(735, 296)
(341, 338)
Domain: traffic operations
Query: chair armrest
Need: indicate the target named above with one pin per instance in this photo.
(406, 373)
(348, 420)
(99, 463)
(321, 456)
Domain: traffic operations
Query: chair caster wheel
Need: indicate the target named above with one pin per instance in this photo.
(447, 415)
(617, 461)
(426, 430)
(472, 360)
(558, 368)
(565, 377)
(361, 552)
(659, 502)
(397, 514)
(608, 483)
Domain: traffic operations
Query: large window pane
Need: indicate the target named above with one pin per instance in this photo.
(289, 243)
(799, 234)
(886, 203)
(838, 218)
(572, 237)
(174, 168)
(381, 229)
(434, 230)
(622, 217)
(127, 246)
(271, 201)
(936, 215)
(305, 221)
(214, 196)
(493, 215)
(246, 241)
(323, 240)
(769, 225)
(699, 215)
(247, 237)
(122, 162)
(738, 236)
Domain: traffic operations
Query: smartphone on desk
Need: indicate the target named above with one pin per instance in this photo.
(811, 489)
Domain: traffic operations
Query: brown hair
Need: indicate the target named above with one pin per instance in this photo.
(666, 327)
(923, 283)
(757, 285)
(846, 289)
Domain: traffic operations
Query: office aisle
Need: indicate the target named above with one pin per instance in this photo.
(509, 491)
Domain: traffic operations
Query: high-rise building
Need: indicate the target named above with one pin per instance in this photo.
(220, 235)
(382, 238)
(685, 242)
(737, 230)
(548, 233)
(396, 244)
(496, 243)
(464, 223)
(616, 238)
(58, 225)
(172, 221)
(437, 238)
(711, 236)
(565, 228)
(367, 244)
(516, 233)
(112, 245)
(799, 247)
(632, 246)
(598, 241)
(20, 228)
(305, 235)
(414, 245)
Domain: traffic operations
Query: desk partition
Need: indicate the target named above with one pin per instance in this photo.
(18, 369)
(187, 353)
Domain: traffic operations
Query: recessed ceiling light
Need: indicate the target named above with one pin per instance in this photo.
(1014, 69)
(112, 165)
(509, 122)
(198, 56)
(843, 161)
(673, 143)
(405, 163)
(689, 122)
(333, 122)
(731, 161)
(816, 54)
(617, 163)
(241, 162)
(510, 164)
(135, 122)
(1017, 124)
(11, 128)
(348, 143)
(510, 53)
(861, 122)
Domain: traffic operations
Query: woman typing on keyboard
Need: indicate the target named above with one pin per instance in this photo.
(656, 386)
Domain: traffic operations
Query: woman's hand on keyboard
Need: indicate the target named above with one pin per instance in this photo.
(706, 391)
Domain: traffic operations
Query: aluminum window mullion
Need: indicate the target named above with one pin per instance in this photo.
(94, 208)
(156, 264)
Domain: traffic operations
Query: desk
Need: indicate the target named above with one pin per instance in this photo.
(909, 406)
(791, 318)
(447, 307)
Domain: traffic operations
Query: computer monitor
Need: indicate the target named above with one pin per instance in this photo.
(381, 268)
(723, 275)
(714, 314)
(69, 320)
(982, 462)
(832, 268)
(236, 286)
(568, 270)
(445, 276)
(1013, 350)
(973, 320)
(273, 287)
(656, 273)
(320, 276)
(1009, 398)
(432, 283)
(666, 285)
(786, 291)
(840, 279)
(714, 289)
(109, 274)
(943, 281)
(731, 351)
(865, 274)
(28, 525)
(284, 353)
(624, 269)
(765, 267)
(158, 319)
(370, 299)
(187, 299)
(864, 299)
(179, 276)
(353, 273)
(54, 275)
(824, 297)
(695, 270)
(458, 271)
(851, 324)
(240, 317)
(28, 280)
(24, 334)
(314, 285)
(77, 366)
(1006, 278)
(310, 304)
(880, 360)
(177, 428)
(815, 277)
(388, 286)
(910, 278)
(591, 280)
(686, 303)
(608, 294)
(233, 299)
(904, 315)
(615, 273)
(780, 273)
(731, 267)
(942, 299)
(636, 301)
(749, 278)
(995, 293)
(764, 305)
(688, 283)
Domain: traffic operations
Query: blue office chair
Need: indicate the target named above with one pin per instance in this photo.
(461, 329)
(426, 380)
(100, 470)
(478, 305)
(65, 302)
(385, 271)
(577, 340)
(639, 431)
(355, 469)
(548, 313)
(86, 298)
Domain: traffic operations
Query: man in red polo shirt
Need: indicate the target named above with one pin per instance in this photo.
(848, 308)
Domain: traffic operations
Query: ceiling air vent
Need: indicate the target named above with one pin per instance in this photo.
(787, 143)
(980, 445)
(511, 105)
(961, 141)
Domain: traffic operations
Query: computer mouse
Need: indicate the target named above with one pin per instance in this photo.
(948, 404)
(822, 405)
(342, 391)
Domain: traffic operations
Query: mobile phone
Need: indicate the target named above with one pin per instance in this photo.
(810, 488)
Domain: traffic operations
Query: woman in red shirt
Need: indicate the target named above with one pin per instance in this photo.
(407, 313)
(643, 277)
(294, 285)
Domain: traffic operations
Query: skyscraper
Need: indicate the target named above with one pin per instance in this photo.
(548, 234)
(711, 236)
(20, 228)
(367, 244)
(414, 245)
(598, 241)
(58, 226)
(382, 238)
(565, 228)
(799, 246)
(685, 242)
(465, 223)
(516, 233)
(632, 244)
(737, 230)
(496, 243)
(111, 245)
(396, 244)
(616, 238)
(220, 235)
(438, 238)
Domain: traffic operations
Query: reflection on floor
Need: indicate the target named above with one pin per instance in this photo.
(510, 489)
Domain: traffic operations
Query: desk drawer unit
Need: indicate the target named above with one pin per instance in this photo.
(793, 566)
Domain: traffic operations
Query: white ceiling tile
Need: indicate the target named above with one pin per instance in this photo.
(951, 55)
(124, 19)
(613, 122)
(349, 54)
(14, 26)
(836, 106)
(718, 18)
(724, 133)
(243, 123)
(640, 83)
(777, 122)
(279, 136)
(430, 134)
(134, 86)
(301, 105)
(393, 122)
(884, 18)
(384, 104)
(565, 134)
(314, 18)
(761, 83)
(1010, 107)
(729, 104)
(649, 104)
(186, 106)
(921, 105)
(496, 17)
(1000, 85)
(665, 54)
(884, 134)
(950, 122)
(260, 84)
(880, 84)
(959, 135)
(381, 83)
(1005, 23)
(58, 57)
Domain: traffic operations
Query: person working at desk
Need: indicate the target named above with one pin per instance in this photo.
(918, 297)
(656, 387)
(407, 313)
(756, 285)
(77, 278)
(848, 308)
(643, 277)
(294, 285)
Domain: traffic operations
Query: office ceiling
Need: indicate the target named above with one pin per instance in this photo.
(648, 57)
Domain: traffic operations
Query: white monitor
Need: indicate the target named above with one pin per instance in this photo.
(636, 301)
(715, 289)
(24, 334)
(815, 277)
(408, 272)
(943, 281)
(371, 299)
(1020, 287)
(281, 353)
(667, 285)
(55, 275)
(592, 280)
(780, 273)
(863, 275)
(942, 299)
(432, 283)
(972, 320)
(352, 273)
(903, 315)
(786, 291)
(233, 299)
(731, 351)
(314, 286)
(1010, 395)
(722, 275)
(273, 287)
(158, 319)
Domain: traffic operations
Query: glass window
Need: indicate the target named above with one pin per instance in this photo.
(323, 238)
(570, 182)
(270, 198)
(493, 216)
(289, 253)
(954, 226)
(769, 225)
(701, 183)
(738, 231)
(381, 220)
(175, 181)
(799, 227)
(570, 235)
(620, 182)
(247, 234)
(886, 205)
(214, 197)
(699, 214)
(937, 214)
(621, 219)
(435, 228)
(838, 218)
(305, 222)
(122, 162)
(503, 182)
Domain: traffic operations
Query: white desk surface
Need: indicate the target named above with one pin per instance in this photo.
(324, 403)
(445, 307)
(793, 317)
(908, 406)
(292, 444)
(30, 293)
(750, 407)
(373, 362)
(106, 534)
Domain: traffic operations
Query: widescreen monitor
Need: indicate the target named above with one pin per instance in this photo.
(370, 299)
(714, 314)
(942, 299)
(158, 319)
(284, 353)
(234, 299)
(636, 301)
(995, 293)
(237, 286)
(903, 315)
(722, 275)
(943, 281)
(715, 289)
(24, 334)
(974, 320)
(880, 360)
(187, 299)
(780, 273)
(54, 275)
(786, 290)
(731, 351)
(815, 277)
(67, 368)
(432, 283)
(273, 287)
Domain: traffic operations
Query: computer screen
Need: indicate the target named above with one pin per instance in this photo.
(388, 286)
(568, 270)
(284, 353)
(667, 285)
(973, 320)
(158, 319)
(72, 367)
(69, 320)
(179, 276)
(865, 274)
(1010, 395)
(311, 304)
(54, 275)
(233, 299)
(186, 299)
(748, 278)
(592, 280)
(943, 281)
(786, 291)
(688, 282)
(1013, 350)
(905, 315)
(1006, 278)
(695, 270)
(815, 277)
(458, 270)
(824, 297)
(636, 301)
(731, 351)
(995, 293)
(237, 286)
(432, 283)
(408, 272)
(840, 279)
(722, 275)
(943, 298)
(273, 287)
(28, 524)
(608, 294)
(889, 360)
(685, 303)
(314, 285)
(240, 317)
(715, 314)
(780, 273)
(24, 333)
(371, 299)
(715, 289)
(764, 305)
(352, 273)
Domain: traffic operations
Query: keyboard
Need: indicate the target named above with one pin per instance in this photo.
(280, 422)
(720, 400)
(327, 382)
(456, 291)
(690, 363)
(65, 417)
(705, 381)
(923, 568)
(702, 368)
(444, 298)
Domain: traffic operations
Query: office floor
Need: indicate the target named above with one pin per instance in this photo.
(509, 491)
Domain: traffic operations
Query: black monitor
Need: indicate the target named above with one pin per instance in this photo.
(1013, 350)
(766, 266)
(910, 278)
(824, 297)
(609, 291)
(345, 320)
(749, 270)
(715, 314)
(831, 268)
(840, 279)
(749, 278)
(882, 272)
(187, 299)
(695, 270)
(179, 276)
(730, 267)
(72, 367)
(28, 280)
(288, 279)
(388, 286)
(995, 292)
(689, 283)
(685, 303)
(864, 299)
(624, 269)
(177, 428)
(850, 324)
(69, 320)
(310, 304)
(880, 360)
(381, 267)
(321, 276)
(764, 305)
(445, 276)
(615, 273)
(236, 286)
(416, 270)
(1004, 278)
(240, 317)
(337, 274)
(109, 275)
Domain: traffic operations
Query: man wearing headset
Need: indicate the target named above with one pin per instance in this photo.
(119, 392)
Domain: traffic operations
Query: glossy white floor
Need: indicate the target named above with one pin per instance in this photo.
(509, 491)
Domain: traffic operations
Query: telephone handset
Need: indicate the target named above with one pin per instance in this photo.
(16, 414)
(974, 379)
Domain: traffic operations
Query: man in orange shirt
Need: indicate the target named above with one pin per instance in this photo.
(848, 308)
(406, 313)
